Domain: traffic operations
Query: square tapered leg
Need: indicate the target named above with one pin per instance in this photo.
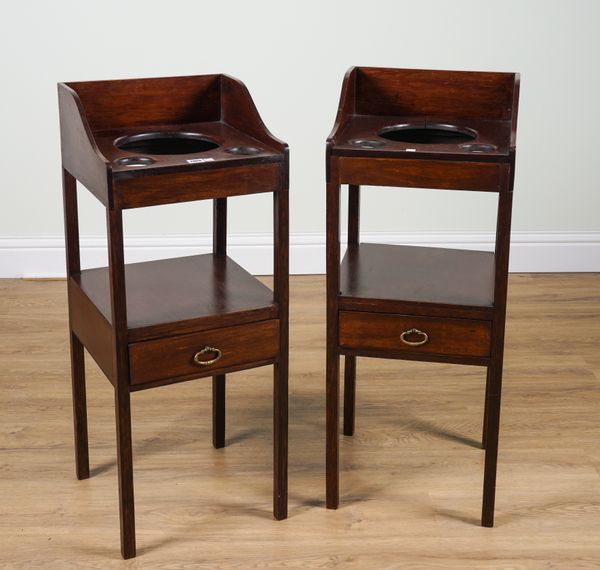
(218, 411)
(82, 462)
(125, 472)
(349, 394)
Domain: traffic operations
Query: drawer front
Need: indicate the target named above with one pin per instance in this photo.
(193, 354)
(383, 331)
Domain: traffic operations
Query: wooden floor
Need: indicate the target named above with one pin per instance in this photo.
(411, 477)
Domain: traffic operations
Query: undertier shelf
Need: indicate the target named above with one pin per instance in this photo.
(175, 295)
(414, 274)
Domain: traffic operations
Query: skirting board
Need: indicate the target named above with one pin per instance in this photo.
(42, 257)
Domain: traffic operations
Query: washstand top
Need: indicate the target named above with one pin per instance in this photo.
(415, 113)
(144, 127)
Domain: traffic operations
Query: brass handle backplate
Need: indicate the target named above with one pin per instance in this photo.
(414, 342)
(198, 356)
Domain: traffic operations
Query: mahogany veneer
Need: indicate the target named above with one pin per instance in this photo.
(429, 275)
(194, 292)
(145, 142)
(422, 129)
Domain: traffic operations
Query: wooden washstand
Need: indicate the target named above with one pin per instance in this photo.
(147, 142)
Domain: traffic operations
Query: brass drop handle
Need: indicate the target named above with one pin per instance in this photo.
(414, 342)
(198, 356)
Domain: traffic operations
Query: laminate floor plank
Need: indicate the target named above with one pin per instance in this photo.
(411, 477)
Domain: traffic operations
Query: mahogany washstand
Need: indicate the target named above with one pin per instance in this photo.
(420, 129)
(146, 142)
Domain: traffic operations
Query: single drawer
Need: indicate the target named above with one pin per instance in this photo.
(203, 353)
(383, 331)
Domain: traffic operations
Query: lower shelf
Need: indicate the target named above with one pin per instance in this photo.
(419, 303)
(176, 308)
(174, 296)
(418, 275)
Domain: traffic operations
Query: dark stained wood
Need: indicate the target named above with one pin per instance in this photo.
(514, 118)
(199, 376)
(418, 274)
(220, 226)
(346, 108)
(401, 354)
(139, 102)
(80, 428)
(218, 410)
(92, 329)
(415, 173)
(459, 337)
(125, 473)
(196, 185)
(172, 357)
(143, 323)
(151, 310)
(194, 292)
(350, 361)
(496, 133)
(118, 308)
(82, 461)
(94, 114)
(353, 214)
(457, 297)
(332, 380)
(81, 157)
(219, 385)
(71, 219)
(485, 409)
(239, 111)
(462, 94)
(280, 370)
(494, 384)
(374, 98)
(349, 394)
(222, 134)
(414, 308)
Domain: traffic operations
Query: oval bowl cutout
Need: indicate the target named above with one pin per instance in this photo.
(434, 133)
(164, 143)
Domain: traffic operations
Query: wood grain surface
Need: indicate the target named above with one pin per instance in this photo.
(434, 92)
(444, 175)
(411, 491)
(173, 357)
(429, 275)
(205, 291)
(459, 337)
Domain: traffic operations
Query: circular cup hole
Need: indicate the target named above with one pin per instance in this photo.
(131, 161)
(434, 133)
(166, 143)
(366, 143)
(247, 150)
(479, 147)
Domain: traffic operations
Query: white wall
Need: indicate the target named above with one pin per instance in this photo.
(292, 56)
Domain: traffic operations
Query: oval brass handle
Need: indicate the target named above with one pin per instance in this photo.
(415, 342)
(198, 356)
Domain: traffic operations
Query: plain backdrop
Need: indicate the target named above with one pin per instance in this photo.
(292, 56)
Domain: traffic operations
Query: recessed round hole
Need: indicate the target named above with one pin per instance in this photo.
(479, 147)
(248, 150)
(166, 143)
(131, 161)
(366, 143)
(435, 133)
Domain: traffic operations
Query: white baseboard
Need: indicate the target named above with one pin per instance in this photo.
(43, 256)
